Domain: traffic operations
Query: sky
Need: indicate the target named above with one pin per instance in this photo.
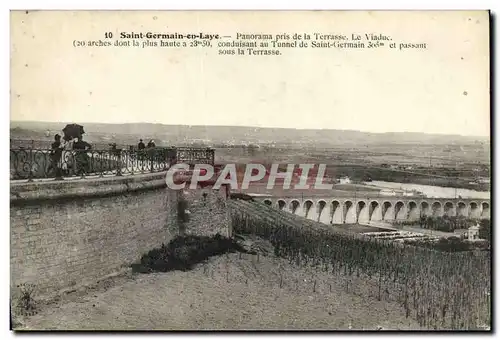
(443, 89)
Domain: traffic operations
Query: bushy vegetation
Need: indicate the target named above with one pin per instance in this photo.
(25, 304)
(184, 252)
(452, 223)
(450, 244)
(441, 290)
(442, 223)
(485, 230)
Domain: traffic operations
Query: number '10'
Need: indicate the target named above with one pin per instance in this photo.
(108, 35)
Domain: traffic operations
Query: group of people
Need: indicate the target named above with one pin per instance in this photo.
(60, 153)
(59, 161)
(142, 146)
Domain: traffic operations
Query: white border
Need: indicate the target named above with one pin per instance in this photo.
(200, 4)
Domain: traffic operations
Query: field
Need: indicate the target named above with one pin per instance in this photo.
(456, 169)
(236, 291)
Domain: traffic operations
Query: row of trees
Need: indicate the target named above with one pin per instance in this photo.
(446, 223)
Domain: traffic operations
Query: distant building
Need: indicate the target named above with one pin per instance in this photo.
(344, 180)
(473, 233)
(463, 233)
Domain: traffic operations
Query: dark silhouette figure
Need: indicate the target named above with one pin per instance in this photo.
(151, 144)
(114, 149)
(80, 144)
(55, 155)
(82, 159)
(141, 146)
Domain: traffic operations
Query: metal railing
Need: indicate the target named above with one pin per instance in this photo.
(195, 155)
(30, 163)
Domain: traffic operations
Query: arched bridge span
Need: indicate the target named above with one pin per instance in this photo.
(332, 210)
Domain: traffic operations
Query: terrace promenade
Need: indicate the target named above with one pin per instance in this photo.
(37, 164)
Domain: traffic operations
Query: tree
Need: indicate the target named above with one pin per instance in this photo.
(485, 230)
(423, 222)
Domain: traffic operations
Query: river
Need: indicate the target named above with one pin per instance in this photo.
(433, 191)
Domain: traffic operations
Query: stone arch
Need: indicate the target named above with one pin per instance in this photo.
(449, 209)
(413, 213)
(268, 202)
(474, 211)
(485, 210)
(375, 211)
(336, 213)
(362, 212)
(399, 211)
(425, 209)
(281, 204)
(307, 208)
(294, 207)
(350, 212)
(323, 212)
(387, 211)
(462, 209)
(437, 209)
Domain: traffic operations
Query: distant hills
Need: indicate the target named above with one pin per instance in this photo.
(179, 134)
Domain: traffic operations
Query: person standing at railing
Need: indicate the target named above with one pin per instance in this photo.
(151, 154)
(65, 162)
(56, 155)
(141, 146)
(82, 159)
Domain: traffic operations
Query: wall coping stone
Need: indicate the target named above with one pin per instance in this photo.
(25, 192)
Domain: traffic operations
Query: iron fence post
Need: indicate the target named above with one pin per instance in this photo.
(119, 163)
(130, 160)
(30, 174)
(101, 164)
(151, 159)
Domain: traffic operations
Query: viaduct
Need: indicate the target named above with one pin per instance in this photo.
(365, 209)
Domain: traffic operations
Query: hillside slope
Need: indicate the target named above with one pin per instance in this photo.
(238, 292)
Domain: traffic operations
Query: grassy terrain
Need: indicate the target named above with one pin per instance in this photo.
(236, 291)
